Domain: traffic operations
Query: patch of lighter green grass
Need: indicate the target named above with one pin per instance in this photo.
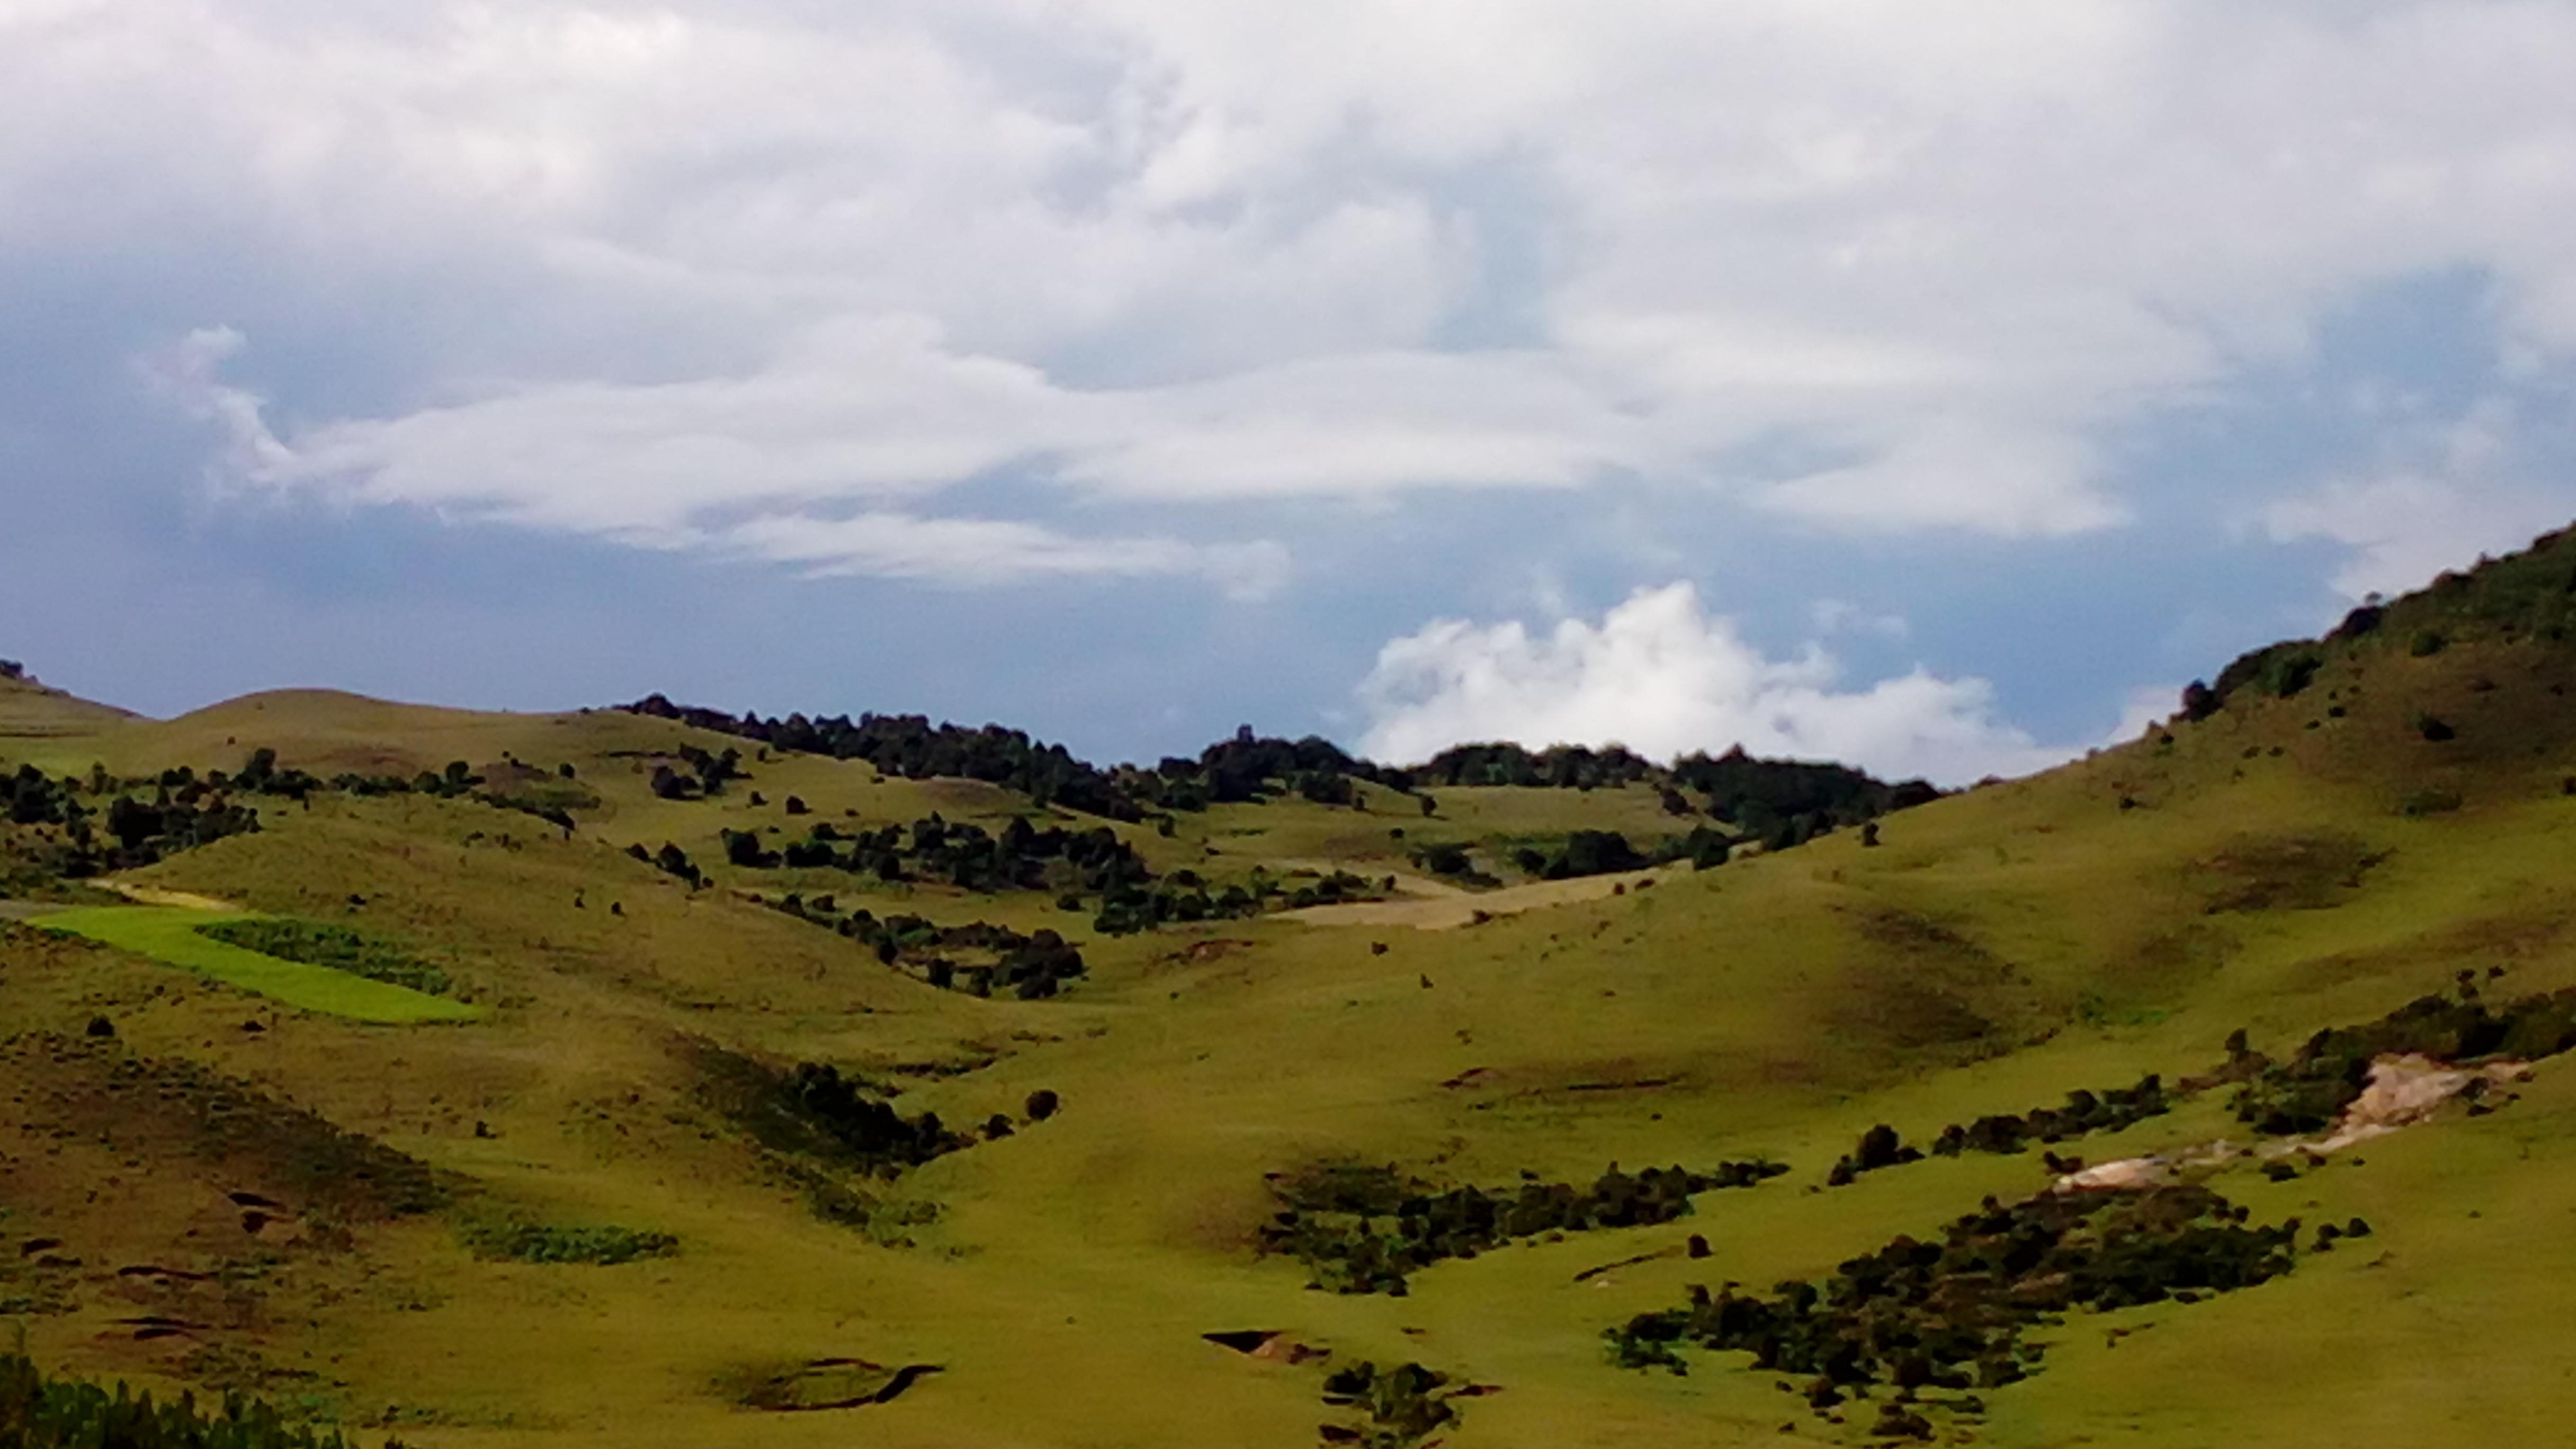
(170, 936)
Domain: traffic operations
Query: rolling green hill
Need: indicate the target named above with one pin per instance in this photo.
(657, 1163)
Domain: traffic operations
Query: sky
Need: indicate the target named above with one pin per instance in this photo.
(1934, 385)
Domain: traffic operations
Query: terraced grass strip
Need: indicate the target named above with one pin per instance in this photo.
(171, 936)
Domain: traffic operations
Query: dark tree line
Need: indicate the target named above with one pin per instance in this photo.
(1184, 897)
(1031, 966)
(1954, 1312)
(1072, 864)
(2005, 1133)
(1362, 1229)
(911, 747)
(1778, 802)
(1563, 767)
(1251, 767)
(1785, 802)
(1020, 857)
(1581, 853)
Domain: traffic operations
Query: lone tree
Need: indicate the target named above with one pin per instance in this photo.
(1042, 1104)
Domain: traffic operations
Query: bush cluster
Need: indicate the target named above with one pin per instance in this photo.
(2310, 1090)
(337, 947)
(671, 860)
(1953, 1313)
(911, 747)
(525, 1242)
(37, 1412)
(1404, 1404)
(2085, 1113)
(1360, 1228)
(1021, 857)
(1030, 966)
(818, 1105)
(1183, 896)
(117, 830)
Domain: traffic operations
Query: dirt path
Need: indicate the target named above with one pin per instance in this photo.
(143, 895)
(1461, 908)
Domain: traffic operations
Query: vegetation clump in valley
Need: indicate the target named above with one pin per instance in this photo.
(519, 1241)
(813, 1110)
(2307, 1092)
(1955, 1312)
(1360, 1228)
(2005, 1133)
(1403, 1405)
(1030, 966)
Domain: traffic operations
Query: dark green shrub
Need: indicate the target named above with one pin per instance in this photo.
(337, 947)
(41, 1413)
(1361, 1228)
(524, 1242)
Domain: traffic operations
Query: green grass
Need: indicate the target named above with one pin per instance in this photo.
(177, 937)
(1995, 951)
(317, 944)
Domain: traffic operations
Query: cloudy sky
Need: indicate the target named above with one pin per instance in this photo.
(1935, 384)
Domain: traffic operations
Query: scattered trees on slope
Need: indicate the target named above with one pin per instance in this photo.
(1360, 1228)
(1954, 1312)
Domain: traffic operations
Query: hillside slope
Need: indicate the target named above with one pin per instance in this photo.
(380, 1229)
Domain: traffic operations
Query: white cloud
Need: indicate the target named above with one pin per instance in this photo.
(1842, 616)
(635, 465)
(660, 265)
(2445, 495)
(1664, 677)
(2147, 706)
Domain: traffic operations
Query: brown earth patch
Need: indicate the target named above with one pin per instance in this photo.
(2283, 873)
(1942, 990)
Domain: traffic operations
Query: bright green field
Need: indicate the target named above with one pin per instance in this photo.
(169, 935)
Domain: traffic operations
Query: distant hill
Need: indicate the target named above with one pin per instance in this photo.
(29, 710)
